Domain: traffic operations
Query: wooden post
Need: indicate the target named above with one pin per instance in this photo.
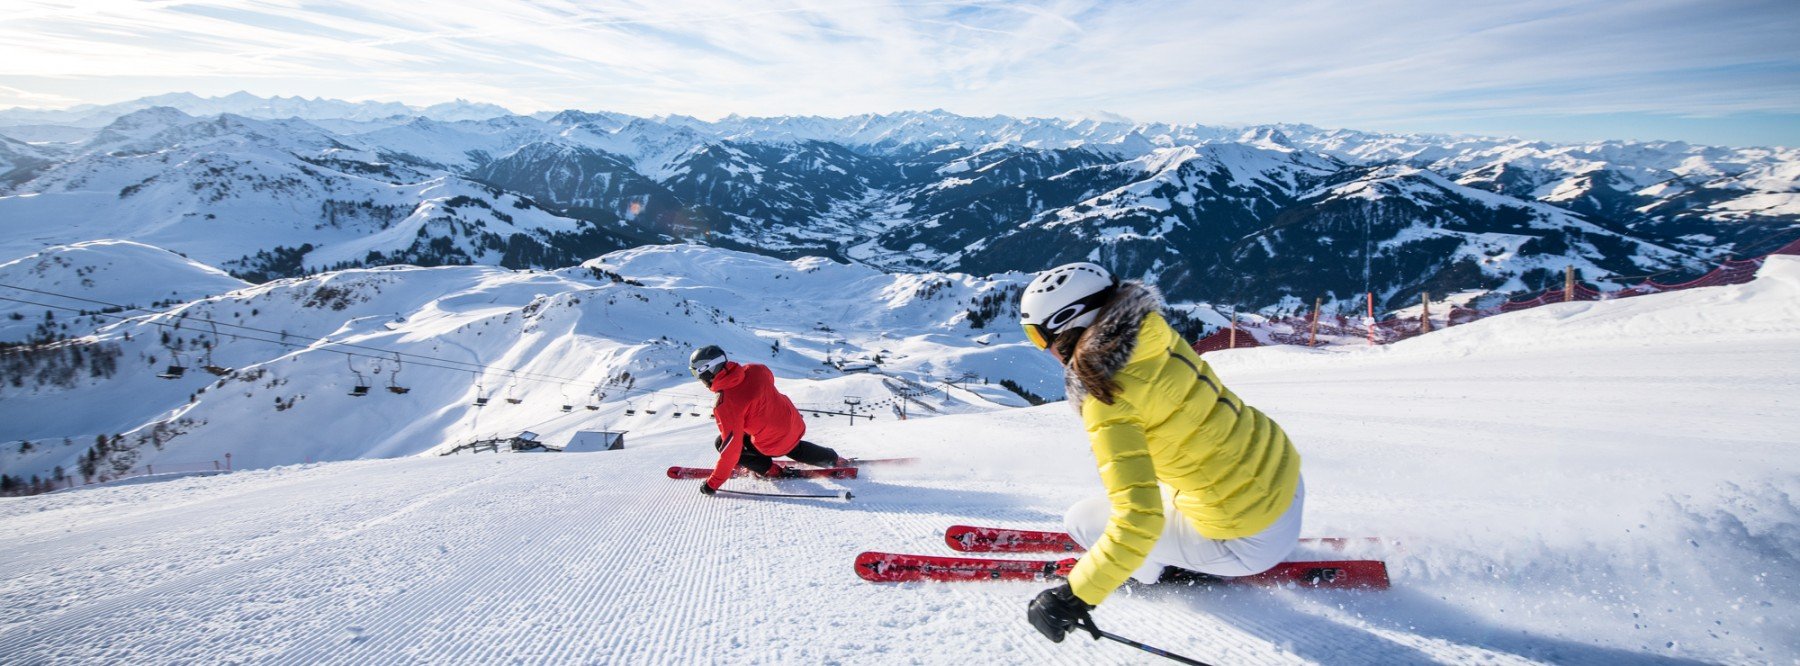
(1313, 338)
(1425, 313)
(1568, 283)
(1232, 341)
(1371, 322)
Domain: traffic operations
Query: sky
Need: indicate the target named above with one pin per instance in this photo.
(1718, 71)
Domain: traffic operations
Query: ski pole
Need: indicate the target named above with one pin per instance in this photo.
(1102, 633)
(842, 494)
(1152, 650)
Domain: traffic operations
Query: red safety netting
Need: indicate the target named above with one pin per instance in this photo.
(1304, 330)
(1224, 340)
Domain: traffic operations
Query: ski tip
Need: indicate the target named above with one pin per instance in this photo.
(955, 537)
(675, 472)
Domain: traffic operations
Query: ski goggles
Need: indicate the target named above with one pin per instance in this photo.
(706, 368)
(1041, 334)
(1038, 336)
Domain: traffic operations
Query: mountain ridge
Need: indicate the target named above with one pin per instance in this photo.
(1222, 213)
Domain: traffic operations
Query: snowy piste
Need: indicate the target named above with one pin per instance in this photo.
(1581, 483)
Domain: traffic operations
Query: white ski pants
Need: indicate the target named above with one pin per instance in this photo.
(1182, 546)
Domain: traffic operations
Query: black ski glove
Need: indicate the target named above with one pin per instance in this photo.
(1057, 610)
(707, 489)
(719, 443)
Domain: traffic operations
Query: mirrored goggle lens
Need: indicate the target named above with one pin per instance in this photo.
(1035, 334)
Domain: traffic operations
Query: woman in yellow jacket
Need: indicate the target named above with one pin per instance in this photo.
(1194, 478)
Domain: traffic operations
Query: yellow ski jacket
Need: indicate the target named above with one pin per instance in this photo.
(1172, 428)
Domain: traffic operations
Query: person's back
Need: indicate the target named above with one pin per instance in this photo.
(1194, 478)
(757, 423)
(1231, 468)
(749, 403)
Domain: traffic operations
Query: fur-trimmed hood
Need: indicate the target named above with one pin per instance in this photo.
(1108, 344)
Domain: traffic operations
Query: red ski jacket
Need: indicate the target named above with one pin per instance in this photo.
(748, 404)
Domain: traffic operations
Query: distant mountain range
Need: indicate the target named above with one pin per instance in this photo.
(1264, 217)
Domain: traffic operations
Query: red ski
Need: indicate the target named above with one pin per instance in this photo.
(973, 539)
(902, 568)
(679, 472)
(859, 462)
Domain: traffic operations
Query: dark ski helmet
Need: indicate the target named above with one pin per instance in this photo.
(706, 362)
(1068, 296)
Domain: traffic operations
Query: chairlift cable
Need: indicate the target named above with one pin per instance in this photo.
(473, 366)
(321, 344)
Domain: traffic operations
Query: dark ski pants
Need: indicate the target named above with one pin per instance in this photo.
(804, 452)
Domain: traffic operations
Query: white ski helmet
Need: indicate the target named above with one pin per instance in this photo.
(706, 362)
(1068, 296)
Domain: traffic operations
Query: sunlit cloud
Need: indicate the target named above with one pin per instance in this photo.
(1330, 62)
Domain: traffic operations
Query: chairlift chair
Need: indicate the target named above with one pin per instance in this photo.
(512, 396)
(207, 364)
(361, 388)
(174, 371)
(394, 378)
(481, 399)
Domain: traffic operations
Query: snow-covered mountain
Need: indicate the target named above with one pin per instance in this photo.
(246, 104)
(1259, 217)
(20, 161)
(283, 197)
(614, 333)
(108, 274)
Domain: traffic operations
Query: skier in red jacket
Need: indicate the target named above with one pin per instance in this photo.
(756, 422)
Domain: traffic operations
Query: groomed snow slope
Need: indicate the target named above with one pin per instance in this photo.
(1605, 482)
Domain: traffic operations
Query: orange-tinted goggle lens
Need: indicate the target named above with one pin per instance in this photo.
(1035, 334)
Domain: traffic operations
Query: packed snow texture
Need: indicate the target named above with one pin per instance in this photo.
(1596, 482)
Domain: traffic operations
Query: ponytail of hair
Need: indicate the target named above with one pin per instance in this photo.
(1088, 371)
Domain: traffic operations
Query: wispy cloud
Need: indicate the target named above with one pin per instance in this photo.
(1334, 62)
